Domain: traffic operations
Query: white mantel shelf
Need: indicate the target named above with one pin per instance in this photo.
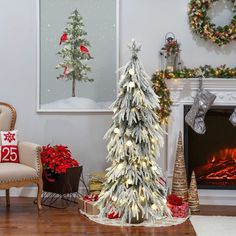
(182, 92)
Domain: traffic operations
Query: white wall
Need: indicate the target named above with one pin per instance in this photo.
(146, 20)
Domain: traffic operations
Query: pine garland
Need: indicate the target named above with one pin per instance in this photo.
(201, 24)
(162, 91)
(165, 102)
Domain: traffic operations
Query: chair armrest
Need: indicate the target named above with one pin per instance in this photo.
(29, 154)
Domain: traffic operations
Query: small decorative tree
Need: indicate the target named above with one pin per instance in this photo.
(132, 188)
(74, 52)
(193, 198)
(179, 181)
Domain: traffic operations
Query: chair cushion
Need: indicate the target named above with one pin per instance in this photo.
(16, 172)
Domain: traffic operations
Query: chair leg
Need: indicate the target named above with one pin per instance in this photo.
(8, 197)
(39, 196)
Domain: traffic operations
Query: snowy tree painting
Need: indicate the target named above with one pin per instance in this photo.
(74, 52)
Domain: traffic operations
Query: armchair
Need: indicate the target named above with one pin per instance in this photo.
(29, 170)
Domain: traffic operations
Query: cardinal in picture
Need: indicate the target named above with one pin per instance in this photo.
(63, 38)
(85, 50)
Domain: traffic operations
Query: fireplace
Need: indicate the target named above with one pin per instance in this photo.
(212, 155)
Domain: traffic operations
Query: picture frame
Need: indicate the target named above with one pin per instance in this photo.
(53, 95)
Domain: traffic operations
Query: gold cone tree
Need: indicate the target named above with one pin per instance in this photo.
(193, 198)
(179, 182)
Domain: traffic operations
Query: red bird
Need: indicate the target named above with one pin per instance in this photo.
(85, 50)
(66, 71)
(63, 38)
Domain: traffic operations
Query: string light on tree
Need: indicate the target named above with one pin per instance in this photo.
(131, 84)
(116, 131)
(131, 71)
(154, 168)
(129, 181)
(120, 166)
(129, 143)
(115, 109)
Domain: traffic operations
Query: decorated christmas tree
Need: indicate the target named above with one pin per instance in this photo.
(74, 52)
(132, 188)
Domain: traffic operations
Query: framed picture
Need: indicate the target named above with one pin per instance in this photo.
(78, 55)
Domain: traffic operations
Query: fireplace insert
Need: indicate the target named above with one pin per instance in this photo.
(212, 155)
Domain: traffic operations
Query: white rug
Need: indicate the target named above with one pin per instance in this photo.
(116, 222)
(214, 225)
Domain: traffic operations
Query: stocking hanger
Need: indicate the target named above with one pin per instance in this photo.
(201, 76)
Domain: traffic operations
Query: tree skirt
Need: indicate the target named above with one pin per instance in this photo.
(117, 222)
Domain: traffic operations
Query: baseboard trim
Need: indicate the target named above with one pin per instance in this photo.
(206, 197)
(29, 191)
(217, 197)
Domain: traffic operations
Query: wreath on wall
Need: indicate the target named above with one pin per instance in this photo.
(201, 23)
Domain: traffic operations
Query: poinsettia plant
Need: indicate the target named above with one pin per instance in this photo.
(174, 200)
(56, 159)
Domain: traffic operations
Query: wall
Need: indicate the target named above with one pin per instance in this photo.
(146, 20)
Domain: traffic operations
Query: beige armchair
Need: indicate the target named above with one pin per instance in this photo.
(29, 170)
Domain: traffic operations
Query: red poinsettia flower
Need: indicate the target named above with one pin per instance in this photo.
(57, 159)
(63, 38)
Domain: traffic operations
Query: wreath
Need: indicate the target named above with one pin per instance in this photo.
(201, 23)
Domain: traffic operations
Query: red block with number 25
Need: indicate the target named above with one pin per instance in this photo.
(9, 153)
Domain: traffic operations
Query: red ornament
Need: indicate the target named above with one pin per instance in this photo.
(63, 38)
(174, 200)
(91, 197)
(85, 50)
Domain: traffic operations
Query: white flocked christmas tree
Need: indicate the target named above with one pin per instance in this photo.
(133, 187)
(74, 52)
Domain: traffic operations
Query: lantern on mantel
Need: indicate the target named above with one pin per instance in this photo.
(170, 53)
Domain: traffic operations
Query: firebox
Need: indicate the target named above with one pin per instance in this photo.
(212, 155)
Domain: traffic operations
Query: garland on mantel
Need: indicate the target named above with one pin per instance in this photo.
(160, 88)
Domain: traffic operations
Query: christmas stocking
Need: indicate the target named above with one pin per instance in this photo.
(232, 118)
(195, 116)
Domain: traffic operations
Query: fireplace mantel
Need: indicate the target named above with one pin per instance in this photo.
(182, 92)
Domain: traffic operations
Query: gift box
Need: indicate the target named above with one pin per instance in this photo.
(181, 211)
(86, 204)
(96, 179)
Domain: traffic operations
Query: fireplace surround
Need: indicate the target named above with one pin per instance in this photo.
(182, 93)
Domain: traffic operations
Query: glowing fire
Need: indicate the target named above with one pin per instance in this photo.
(221, 166)
(224, 154)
